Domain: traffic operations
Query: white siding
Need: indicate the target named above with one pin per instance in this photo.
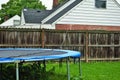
(10, 22)
(85, 13)
(37, 26)
(47, 26)
(29, 26)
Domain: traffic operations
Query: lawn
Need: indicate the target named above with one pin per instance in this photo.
(90, 71)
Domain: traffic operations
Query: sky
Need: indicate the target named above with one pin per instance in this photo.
(47, 3)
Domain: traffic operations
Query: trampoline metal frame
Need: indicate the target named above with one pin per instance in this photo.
(68, 68)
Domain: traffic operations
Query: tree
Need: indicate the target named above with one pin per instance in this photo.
(62, 1)
(14, 7)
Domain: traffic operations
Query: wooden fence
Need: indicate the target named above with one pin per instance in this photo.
(94, 45)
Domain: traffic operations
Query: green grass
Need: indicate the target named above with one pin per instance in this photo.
(90, 71)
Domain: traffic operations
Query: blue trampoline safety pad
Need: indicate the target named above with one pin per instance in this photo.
(34, 54)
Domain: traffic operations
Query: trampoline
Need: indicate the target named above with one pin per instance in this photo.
(17, 55)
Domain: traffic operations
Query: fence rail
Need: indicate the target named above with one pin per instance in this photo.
(94, 45)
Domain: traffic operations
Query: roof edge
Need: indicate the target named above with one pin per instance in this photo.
(64, 11)
(57, 11)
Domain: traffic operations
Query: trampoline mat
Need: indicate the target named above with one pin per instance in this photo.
(34, 54)
(28, 53)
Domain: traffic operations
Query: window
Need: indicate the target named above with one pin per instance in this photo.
(16, 22)
(100, 3)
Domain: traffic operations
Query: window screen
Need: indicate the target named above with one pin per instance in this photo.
(100, 3)
(16, 22)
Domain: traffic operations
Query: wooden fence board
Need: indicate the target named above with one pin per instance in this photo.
(92, 44)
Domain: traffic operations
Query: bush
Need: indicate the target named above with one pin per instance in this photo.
(28, 71)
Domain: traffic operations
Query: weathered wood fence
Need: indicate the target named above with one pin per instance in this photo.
(94, 45)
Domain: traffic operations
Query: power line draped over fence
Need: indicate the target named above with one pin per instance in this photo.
(94, 45)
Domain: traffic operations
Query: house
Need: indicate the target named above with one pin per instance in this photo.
(77, 15)
(12, 22)
(31, 18)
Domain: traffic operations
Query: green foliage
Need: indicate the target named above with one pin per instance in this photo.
(77, 78)
(62, 1)
(14, 7)
(9, 72)
(28, 71)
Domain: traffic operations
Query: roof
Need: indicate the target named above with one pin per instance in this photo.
(37, 16)
(34, 54)
(65, 10)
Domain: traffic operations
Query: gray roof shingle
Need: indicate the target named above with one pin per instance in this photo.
(36, 16)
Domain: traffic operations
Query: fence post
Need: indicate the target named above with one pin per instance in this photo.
(86, 46)
(43, 38)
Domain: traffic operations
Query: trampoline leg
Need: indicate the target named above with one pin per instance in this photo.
(68, 69)
(80, 70)
(44, 64)
(1, 71)
(17, 70)
(60, 63)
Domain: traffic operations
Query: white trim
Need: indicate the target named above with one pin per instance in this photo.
(22, 19)
(57, 11)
